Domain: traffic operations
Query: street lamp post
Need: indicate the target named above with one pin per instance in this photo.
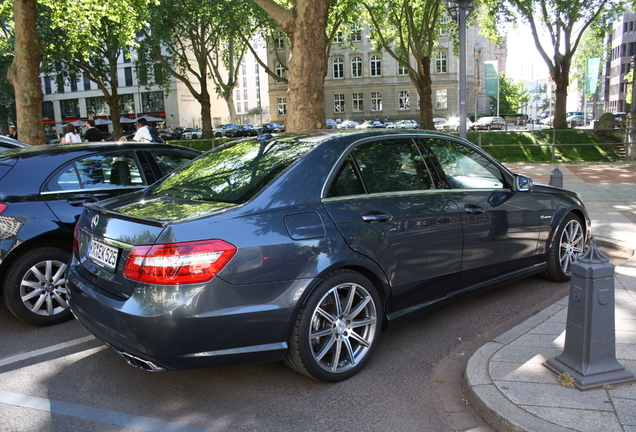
(459, 11)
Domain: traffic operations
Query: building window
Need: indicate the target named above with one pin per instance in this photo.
(280, 70)
(69, 108)
(127, 104)
(356, 102)
(282, 106)
(96, 107)
(73, 85)
(356, 67)
(402, 70)
(440, 62)
(338, 38)
(87, 83)
(338, 103)
(128, 75)
(245, 94)
(338, 68)
(246, 106)
(126, 56)
(152, 102)
(47, 110)
(404, 103)
(376, 66)
(243, 69)
(47, 85)
(279, 40)
(245, 81)
(442, 25)
(238, 107)
(356, 33)
(238, 95)
(441, 98)
(371, 34)
(376, 101)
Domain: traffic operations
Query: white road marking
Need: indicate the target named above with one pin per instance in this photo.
(39, 352)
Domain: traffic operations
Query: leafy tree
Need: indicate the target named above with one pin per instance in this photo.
(197, 40)
(304, 23)
(513, 96)
(24, 72)
(408, 30)
(7, 99)
(565, 22)
(92, 42)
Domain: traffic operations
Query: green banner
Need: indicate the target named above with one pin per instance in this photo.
(492, 78)
(591, 75)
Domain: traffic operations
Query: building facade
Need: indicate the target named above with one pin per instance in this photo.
(622, 45)
(363, 83)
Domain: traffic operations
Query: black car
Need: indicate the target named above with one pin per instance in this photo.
(270, 127)
(10, 143)
(43, 190)
(241, 131)
(306, 246)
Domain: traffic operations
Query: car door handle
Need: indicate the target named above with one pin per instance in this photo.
(473, 209)
(376, 216)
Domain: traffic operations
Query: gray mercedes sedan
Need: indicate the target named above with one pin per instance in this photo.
(303, 247)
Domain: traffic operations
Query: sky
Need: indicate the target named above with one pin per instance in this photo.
(524, 61)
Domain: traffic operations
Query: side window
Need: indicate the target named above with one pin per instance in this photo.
(99, 172)
(392, 165)
(169, 161)
(464, 168)
(347, 182)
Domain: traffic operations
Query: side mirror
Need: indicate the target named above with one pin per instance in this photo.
(522, 183)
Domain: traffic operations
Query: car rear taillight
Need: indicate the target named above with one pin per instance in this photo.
(3, 207)
(75, 241)
(178, 263)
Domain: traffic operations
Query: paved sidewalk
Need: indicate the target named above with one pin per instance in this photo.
(507, 383)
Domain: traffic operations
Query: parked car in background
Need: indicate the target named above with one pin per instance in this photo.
(453, 124)
(439, 123)
(404, 124)
(304, 247)
(241, 131)
(331, 124)
(370, 124)
(190, 133)
(43, 190)
(221, 130)
(10, 143)
(270, 127)
(576, 120)
(490, 123)
(348, 124)
(168, 135)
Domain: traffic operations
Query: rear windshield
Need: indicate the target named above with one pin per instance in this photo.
(233, 173)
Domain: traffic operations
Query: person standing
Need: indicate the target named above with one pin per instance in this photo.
(92, 133)
(13, 132)
(143, 133)
(71, 136)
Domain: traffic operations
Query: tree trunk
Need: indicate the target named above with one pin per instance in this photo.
(24, 73)
(307, 66)
(113, 107)
(206, 113)
(424, 86)
(561, 76)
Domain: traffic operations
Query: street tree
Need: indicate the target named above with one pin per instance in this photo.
(92, 43)
(24, 72)
(409, 31)
(305, 24)
(195, 41)
(7, 98)
(513, 96)
(564, 22)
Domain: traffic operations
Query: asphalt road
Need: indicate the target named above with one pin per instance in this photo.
(60, 379)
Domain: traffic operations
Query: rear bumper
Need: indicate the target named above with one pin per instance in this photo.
(221, 324)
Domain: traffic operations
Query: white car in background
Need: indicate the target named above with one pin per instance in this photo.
(439, 122)
(453, 124)
(189, 133)
(404, 124)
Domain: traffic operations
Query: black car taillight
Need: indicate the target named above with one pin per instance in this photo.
(178, 263)
(3, 207)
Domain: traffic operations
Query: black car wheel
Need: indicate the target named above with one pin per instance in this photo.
(568, 244)
(218, 135)
(35, 287)
(337, 328)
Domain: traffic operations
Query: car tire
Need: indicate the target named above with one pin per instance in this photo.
(195, 136)
(217, 135)
(328, 342)
(35, 286)
(569, 242)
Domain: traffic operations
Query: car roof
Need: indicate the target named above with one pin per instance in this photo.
(13, 142)
(88, 148)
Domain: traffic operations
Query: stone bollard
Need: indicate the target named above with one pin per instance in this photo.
(556, 177)
(589, 355)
